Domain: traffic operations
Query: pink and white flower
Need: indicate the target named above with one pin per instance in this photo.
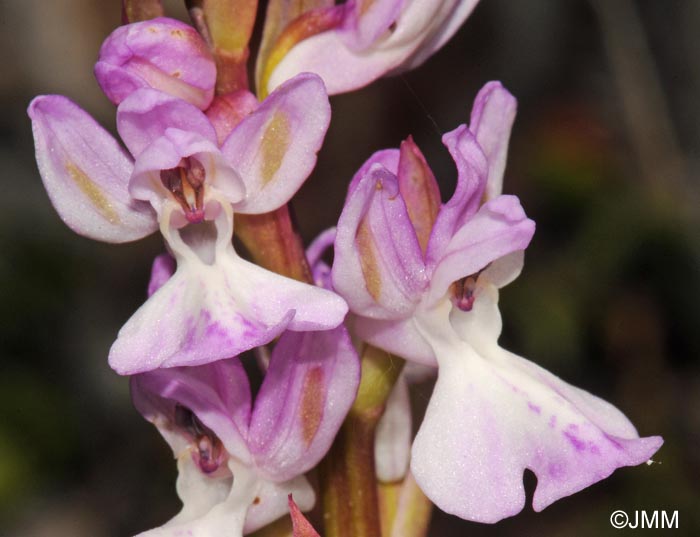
(422, 281)
(176, 177)
(373, 38)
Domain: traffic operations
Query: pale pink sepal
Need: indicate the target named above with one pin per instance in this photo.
(146, 114)
(497, 229)
(397, 336)
(86, 173)
(309, 386)
(491, 121)
(366, 20)
(374, 39)
(274, 148)
(378, 266)
(472, 171)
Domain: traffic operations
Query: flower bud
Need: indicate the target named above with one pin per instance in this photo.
(163, 54)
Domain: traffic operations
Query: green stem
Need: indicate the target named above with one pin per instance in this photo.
(348, 479)
(405, 510)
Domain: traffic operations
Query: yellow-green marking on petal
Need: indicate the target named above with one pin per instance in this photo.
(368, 260)
(275, 143)
(93, 193)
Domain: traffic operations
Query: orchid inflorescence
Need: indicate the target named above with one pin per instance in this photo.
(413, 279)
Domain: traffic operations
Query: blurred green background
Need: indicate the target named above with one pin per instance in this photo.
(604, 156)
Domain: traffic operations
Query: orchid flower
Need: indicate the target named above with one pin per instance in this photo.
(178, 179)
(373, 38)
(422, 281)
(238, 461)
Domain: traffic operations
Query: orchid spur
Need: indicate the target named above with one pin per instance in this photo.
(178, 179)
(422, 281)
(368, 39)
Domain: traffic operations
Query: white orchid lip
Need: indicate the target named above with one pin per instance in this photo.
(201, 241)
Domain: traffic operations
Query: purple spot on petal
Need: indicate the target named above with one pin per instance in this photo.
(593, 448)
(535, 408)
(556, 470)
(553, 421)
(578, 444)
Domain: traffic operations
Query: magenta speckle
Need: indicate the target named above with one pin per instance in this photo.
(578, 444)
(556, 470)
(553, 421)
(535, 408)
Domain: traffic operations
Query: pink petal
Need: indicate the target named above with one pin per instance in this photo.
(162, 269)
(388, 158)
(309, 387)
(162, 53)
(272, 296)
(400, 337)
(146, 114)
(378, 266)
(472, 169)
(320, 270)
(166, 152)
(499, 228)
(341, 68)
(85, 173)
(371, 44)
(367, 20)
(274, 148)
(218, 394)
(449, 19)
(493, 414)
(491, 122)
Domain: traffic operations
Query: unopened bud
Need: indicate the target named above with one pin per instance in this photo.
(163, 54)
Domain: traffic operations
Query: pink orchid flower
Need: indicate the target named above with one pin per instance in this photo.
(373, 38)
(422, 281)
(239, 460)
(175, 177)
